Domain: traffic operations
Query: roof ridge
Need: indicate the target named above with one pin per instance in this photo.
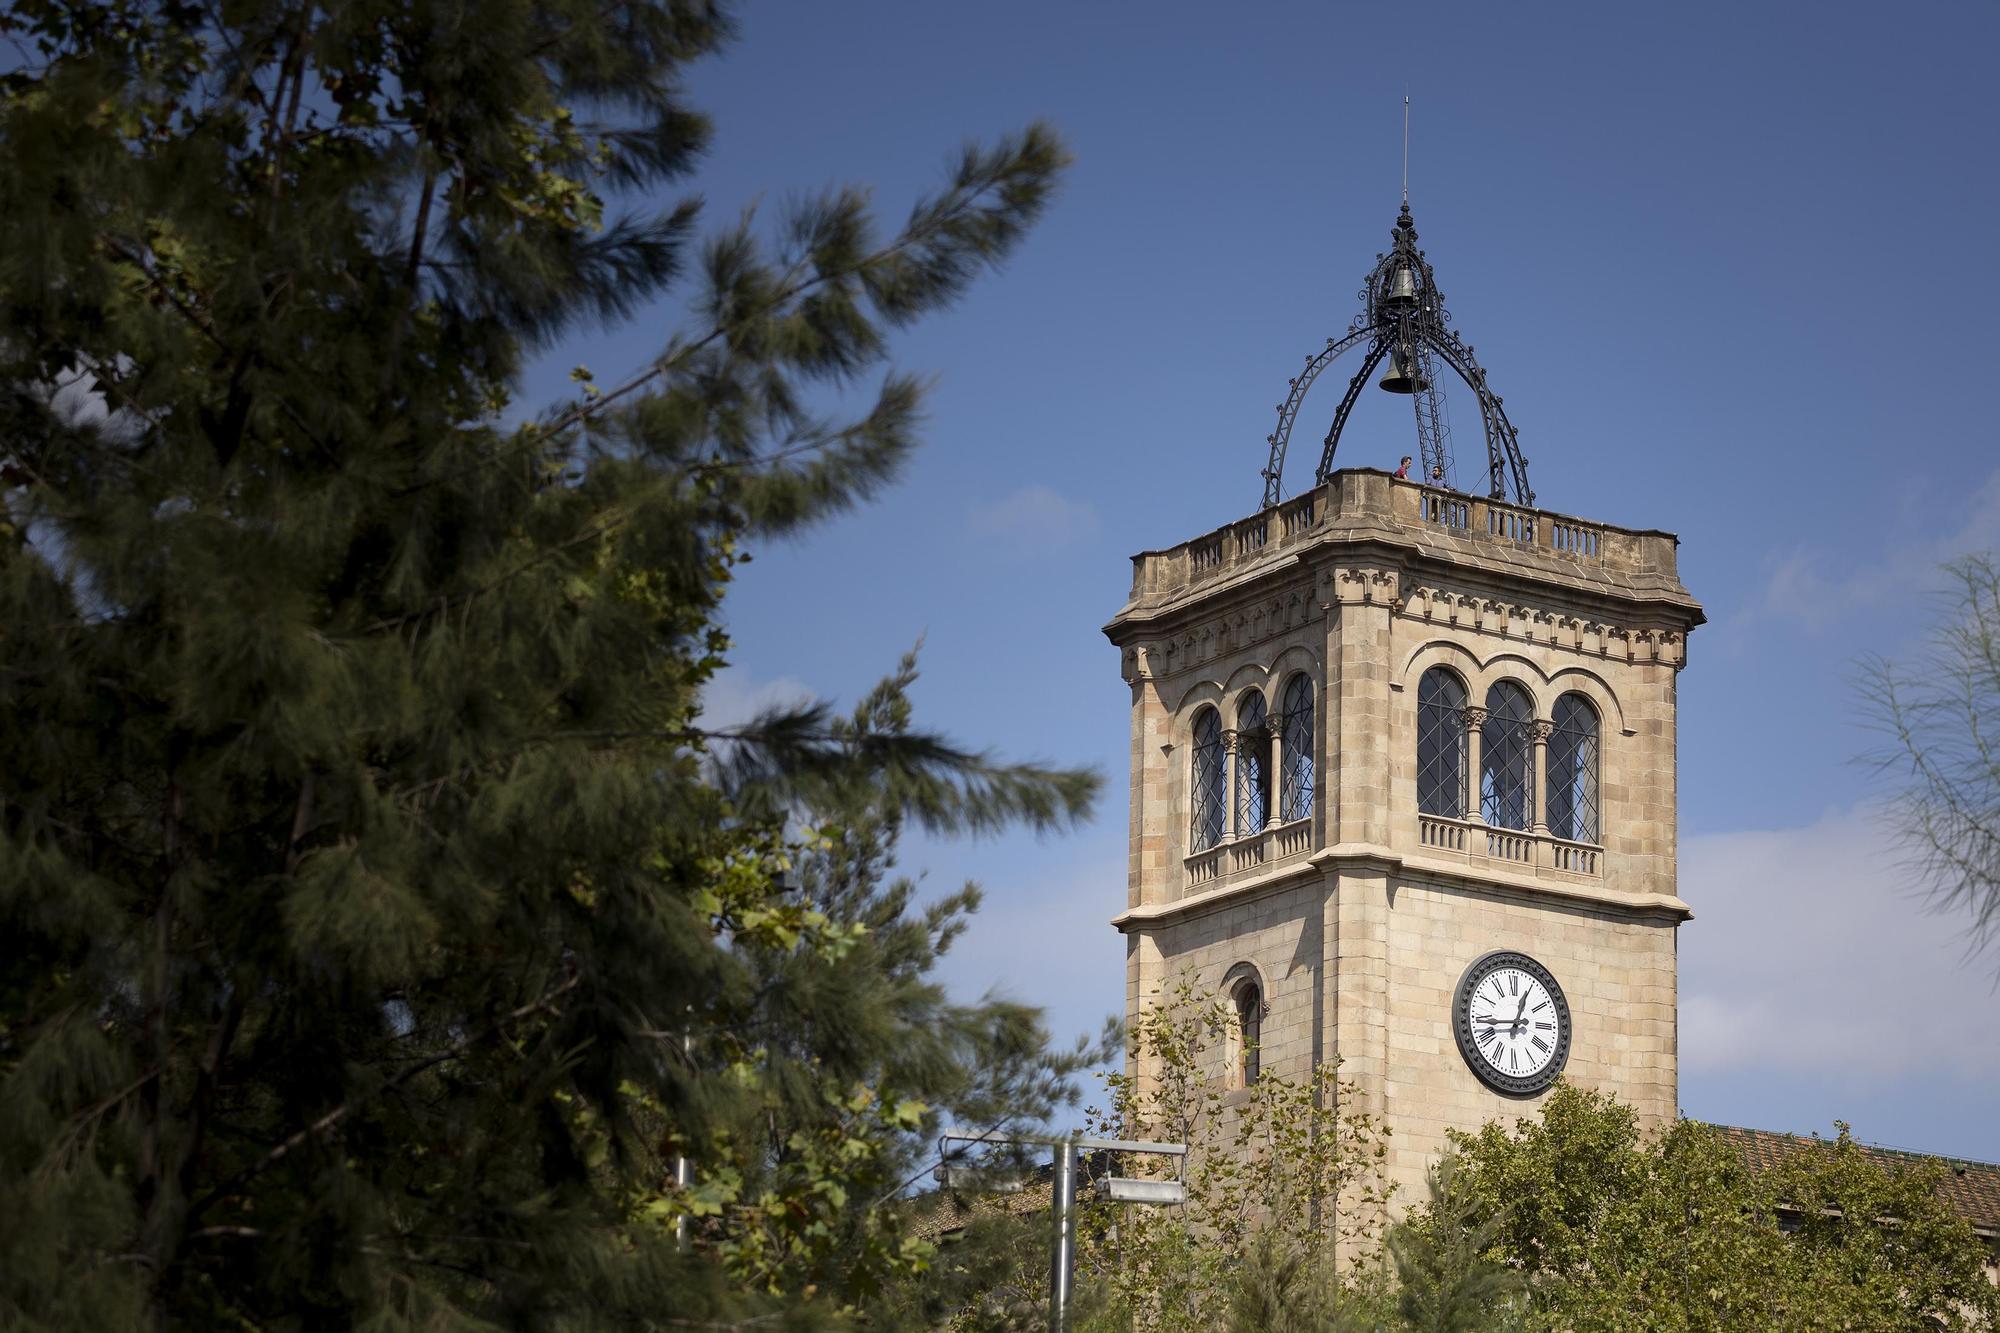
(1871, 1145)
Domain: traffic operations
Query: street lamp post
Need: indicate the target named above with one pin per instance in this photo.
(1062, 1196)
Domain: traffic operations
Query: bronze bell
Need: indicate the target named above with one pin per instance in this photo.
(1402, 288)
(1404, 374)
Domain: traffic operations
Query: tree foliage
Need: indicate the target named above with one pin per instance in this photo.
(1941, 714)
(383, 922)
(1573, 1221)
(1279, 1169)
(1447, 1278)
(1615, 1231)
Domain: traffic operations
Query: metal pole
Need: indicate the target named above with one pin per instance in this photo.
(1062, 1204)
(682, 1171)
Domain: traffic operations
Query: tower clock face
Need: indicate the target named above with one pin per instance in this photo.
(1512, 1023)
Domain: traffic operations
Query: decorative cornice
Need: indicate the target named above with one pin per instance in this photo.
(1241, 627)
(1360, 585)
(1528, 623)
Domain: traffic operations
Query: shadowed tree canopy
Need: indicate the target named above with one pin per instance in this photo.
(382, 922)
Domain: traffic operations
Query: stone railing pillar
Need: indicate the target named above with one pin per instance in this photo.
(1475, 740)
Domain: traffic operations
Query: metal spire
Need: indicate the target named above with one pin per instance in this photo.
(1403, 322)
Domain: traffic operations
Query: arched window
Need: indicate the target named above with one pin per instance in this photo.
(1441, 744)
(1206, 798)
(1253, 764)
(1295, 784)
(1507, 758)
(1249, 1032)
(1572, 795)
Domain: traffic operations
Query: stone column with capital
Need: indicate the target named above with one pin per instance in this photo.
(1274, 811)
(1540, 730)
(1475, 740)
(1230, 768)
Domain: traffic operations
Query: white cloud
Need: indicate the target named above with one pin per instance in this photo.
(734, 697)
(1818, 587)
(1035, 517)
(1812, 951)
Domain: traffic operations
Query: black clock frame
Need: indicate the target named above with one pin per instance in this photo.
(1508, 1085)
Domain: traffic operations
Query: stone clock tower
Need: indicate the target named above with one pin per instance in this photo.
(1403, 769)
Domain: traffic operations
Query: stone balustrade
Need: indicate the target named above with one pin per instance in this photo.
(1470, 840)
(1363, 503)
(1251, 851)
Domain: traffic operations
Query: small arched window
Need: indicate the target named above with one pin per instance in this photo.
(1249, 998)
(1507, 758)
(1253, 764)
(1572, 795)
(1206, 798)
(1295, 785)
(1441, 744)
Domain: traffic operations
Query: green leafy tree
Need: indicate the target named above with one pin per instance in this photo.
(1616, 1231)
(1283, 1286)
(1880, 1242)
(1278, 1164)
(383, 921)
(800, 1196)
(1940, 714)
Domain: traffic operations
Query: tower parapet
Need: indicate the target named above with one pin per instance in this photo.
(1362, 503)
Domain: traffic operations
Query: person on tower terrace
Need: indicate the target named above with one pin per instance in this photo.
(1437, 477)
(1403, 471)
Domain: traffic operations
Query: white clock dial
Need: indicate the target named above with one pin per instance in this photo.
(1512, 1023)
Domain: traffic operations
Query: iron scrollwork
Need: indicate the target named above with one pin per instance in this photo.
(1405, 322)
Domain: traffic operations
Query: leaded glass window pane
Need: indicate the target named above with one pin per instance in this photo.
(1507, 758)
(1572, 796)
(1205, 777)
(1441, 744)
(1253, 764)
(1297, 785)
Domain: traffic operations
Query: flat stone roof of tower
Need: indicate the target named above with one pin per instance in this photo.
(1367, 507)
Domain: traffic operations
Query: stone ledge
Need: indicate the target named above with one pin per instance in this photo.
(1157, 913)
(1386, 859)
(1455, 874)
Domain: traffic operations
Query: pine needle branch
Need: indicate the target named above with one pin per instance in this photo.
(333, 1118)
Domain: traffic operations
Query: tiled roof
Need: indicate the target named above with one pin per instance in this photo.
(939, 1213)
(1971, 1188)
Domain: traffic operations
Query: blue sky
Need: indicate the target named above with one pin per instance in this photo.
(1731, 267)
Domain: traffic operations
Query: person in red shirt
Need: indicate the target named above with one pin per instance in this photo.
(1403, 472)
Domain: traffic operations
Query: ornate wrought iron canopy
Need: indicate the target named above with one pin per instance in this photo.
(1404, 322)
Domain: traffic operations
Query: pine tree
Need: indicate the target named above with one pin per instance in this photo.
(1448, 1281)
(382, 923)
